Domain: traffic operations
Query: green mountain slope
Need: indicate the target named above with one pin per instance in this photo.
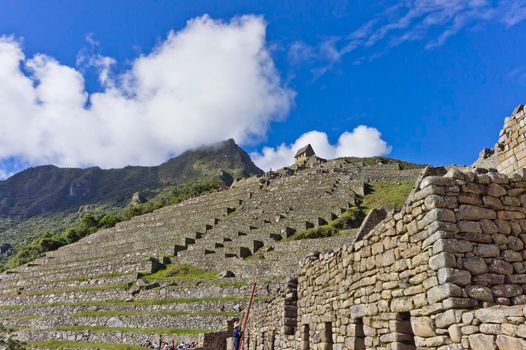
(47, 197)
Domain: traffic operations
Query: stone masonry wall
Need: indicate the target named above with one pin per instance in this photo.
(429, 277)
(511, 147)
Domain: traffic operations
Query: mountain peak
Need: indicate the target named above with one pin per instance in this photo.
(48, 188)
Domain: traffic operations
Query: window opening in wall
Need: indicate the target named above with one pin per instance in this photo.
(272, 345)
(327, 339)
(359, 335)
(405, 328)
(306, 337)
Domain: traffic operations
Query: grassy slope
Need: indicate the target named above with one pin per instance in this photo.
(378, 194)
(386, 194)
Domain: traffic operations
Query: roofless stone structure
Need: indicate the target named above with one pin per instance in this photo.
(446, 272)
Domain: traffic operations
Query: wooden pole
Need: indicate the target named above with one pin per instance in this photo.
(245, 319)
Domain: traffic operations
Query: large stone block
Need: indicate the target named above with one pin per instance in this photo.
(446, 319)
(452, 246)
(456, 276)
(511, 256)
(469, 226)
(496, 190)
(500, 266)
(402, 304)
(442, 292)
(488, 279)
(437, 181)
(505, 342)
(487, 250)
(438, 214)
(480, 293)
(475, 265)
(423, 327)
(482, 342)
(507, 290)
(498, 314)
(441, 260)
(470, 212)
(435, 201)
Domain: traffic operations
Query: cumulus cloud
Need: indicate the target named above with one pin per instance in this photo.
(210, 81)
(363, 141)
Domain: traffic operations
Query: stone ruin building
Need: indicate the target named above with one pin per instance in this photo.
(304, 153)
(446, 272)
(98, 290)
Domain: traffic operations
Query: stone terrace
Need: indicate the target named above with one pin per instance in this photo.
(88, 291)
(447, 272)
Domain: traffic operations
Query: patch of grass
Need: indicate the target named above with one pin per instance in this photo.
(181, 271)
(196, 188)
(62, 344)
(74, 290)
(351, 218)
(132, 303)
(370, 161)
(386, 194)
(157, 313)
(21, 317)
(126, 329)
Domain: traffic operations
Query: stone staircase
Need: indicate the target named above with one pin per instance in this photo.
(87, 291)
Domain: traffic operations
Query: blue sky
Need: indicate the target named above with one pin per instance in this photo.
(428, 81)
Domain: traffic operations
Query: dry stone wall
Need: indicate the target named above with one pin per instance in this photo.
(511, 147)
(447, 272)
(82, 290)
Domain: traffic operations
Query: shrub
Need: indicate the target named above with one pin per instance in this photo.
(109, 220)
(89, 223)
(193, 189)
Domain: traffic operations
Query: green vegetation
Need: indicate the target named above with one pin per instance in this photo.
(8, 342)
(232, 284)
(377, 194)
(370, 161)
(125, 329)
(133, 303)
(196, 188)
(386, 194)
(89, 223)
(86, 278)
(157, 313)
(181, 271)
(351, 218)
(63, 344)
(44, 201)
(74, 290)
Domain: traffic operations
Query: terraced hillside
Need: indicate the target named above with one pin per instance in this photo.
(158, 273)
(47, 198)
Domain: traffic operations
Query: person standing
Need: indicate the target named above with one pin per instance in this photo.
(236, 336)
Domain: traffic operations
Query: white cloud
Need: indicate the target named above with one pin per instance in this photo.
(430, 21)
(516, 13)
(208, 82)
(363, 141)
